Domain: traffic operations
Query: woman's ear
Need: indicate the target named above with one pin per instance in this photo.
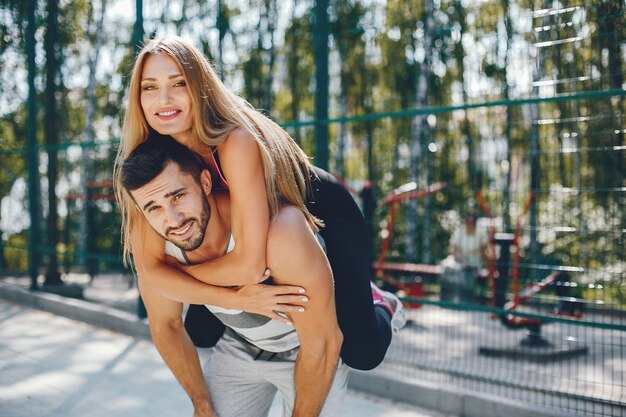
(206, 182)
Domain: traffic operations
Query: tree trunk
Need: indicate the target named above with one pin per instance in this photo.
(616, 30)
(293, 73)
(534, 155)
(506, 203)
(343, 110)
(222, 25)
(320, 36)
(89, 134)
(420, 136)
(272, 15)
(34, 204)
(51, 131)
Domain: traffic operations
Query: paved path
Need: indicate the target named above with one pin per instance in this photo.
(55, 367)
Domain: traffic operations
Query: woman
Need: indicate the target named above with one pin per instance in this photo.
(174, 91)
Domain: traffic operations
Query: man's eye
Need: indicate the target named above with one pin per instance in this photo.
(178, 196)
(153, 208)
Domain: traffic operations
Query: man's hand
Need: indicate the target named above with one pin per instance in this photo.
(204, 410)
(175, 347)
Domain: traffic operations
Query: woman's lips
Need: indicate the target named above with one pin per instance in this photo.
(168, 114)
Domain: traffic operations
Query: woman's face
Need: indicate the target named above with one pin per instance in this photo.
(165, 99)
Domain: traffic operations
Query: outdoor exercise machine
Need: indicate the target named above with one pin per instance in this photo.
(568, 306)
(387, 271)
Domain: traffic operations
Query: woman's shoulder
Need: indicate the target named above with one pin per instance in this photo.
(237, 137)
(238, 146)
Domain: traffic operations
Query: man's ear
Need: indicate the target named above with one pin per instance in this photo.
(206, 182)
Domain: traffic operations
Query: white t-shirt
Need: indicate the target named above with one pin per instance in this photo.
(265, 333)
(468, 246)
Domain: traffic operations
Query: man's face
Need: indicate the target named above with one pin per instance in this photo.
(176, 207)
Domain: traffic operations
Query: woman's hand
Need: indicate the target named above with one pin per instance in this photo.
(268, 300)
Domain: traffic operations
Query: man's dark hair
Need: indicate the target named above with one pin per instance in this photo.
(151, 157)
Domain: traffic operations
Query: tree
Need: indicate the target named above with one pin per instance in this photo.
(348, 37)
(96, 30)
(53, 277)
(258, 69)
(298, 50)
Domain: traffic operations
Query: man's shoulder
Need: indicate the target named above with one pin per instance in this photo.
(292, 247)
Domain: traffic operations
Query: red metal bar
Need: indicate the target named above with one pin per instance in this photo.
(409, 268)
(516, 242)
(387, 239)
(408, 192)
(492, 252)
(101, 184)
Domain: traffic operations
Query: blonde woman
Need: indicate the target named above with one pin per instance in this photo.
(174, 91)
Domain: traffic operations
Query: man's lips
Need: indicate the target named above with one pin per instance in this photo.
(181, 231)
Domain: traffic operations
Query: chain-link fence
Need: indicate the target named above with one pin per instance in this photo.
(510, 111)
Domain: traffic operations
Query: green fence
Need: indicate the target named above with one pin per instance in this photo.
(497, 101)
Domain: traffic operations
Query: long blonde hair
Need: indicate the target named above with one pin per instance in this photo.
(216, 113)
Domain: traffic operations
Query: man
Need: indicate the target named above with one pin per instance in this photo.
(257, 355)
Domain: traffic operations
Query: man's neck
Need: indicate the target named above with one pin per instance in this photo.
(217, 235)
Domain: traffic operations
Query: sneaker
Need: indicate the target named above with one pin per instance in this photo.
(392, 304)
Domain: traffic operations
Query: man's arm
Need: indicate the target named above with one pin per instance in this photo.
(295, 258)
(175, 347)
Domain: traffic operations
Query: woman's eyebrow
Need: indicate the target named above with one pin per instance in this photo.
(169, 77)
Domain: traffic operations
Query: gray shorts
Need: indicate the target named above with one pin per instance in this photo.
(243, 380)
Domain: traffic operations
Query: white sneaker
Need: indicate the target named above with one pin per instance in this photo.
(392, 304)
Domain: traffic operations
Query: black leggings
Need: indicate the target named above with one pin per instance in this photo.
(366, 330)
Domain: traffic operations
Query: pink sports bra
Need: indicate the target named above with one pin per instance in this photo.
(217, 174)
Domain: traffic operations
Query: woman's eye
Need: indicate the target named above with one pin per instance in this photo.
(180, 84)
(147, 87)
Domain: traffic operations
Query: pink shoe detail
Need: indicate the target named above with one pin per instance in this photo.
(392, 304)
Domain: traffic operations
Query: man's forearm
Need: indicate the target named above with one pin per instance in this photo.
(178, 352)
(314, 372)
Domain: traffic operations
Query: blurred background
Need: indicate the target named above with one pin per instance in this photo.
(428, 110)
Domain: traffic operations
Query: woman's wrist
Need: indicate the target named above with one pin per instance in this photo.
(230, 299)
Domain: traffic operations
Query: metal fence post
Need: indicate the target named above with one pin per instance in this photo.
(32, 152)
(137, 44)
(321, 33)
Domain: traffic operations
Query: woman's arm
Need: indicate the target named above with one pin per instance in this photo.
(149, 257)
(242, 167)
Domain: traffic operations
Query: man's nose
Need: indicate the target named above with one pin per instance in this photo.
(174, 217)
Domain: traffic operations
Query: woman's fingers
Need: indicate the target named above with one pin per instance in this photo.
(290, 299)
(280, 318)
(286, 289)
(290, 308)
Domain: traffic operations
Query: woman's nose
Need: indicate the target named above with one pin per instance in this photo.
(164, 95)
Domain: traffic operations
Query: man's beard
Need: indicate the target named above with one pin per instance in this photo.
(194, 241)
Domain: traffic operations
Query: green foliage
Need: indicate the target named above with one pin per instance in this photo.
(478, 52)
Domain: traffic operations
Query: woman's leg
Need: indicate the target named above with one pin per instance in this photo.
(366, 328)
(204, 329)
